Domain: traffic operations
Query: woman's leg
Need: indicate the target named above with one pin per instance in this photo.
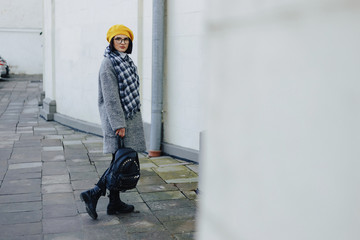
(91, 196)
(116, 205)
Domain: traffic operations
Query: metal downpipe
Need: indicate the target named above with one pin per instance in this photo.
(157, 78)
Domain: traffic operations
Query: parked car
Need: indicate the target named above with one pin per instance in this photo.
(4, 68)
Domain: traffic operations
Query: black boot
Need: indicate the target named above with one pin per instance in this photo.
(91, 197)
(116, 205)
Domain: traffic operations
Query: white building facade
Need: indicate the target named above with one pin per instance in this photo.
(21, 40)
(280, 81)
(75, 40)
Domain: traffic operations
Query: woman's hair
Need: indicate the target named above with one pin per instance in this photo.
(128, 50)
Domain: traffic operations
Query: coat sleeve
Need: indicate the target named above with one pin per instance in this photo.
(110, 92)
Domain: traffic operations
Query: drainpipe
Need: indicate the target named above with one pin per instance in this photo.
(157, 78)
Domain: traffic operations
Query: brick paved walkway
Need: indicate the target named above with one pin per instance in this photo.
(44, 166)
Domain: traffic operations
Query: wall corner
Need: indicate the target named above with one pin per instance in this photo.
(48, 110)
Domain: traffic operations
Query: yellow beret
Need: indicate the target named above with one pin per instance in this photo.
(117, 30)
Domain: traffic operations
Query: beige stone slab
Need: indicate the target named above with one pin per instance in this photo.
(106, 220)
(150, 180)
(30, 110)
(96, 151)
(56, 188)
(131, 197)
(72, 142)
(187, 186)
(194, 168)
(190, 194)
(9, 136)
(142, 155)
(175, 168)
(144, 224)
(156, 188)
(147, 165)
(55, 179)
(45, 129)
(146, 172)
(19, 129)
(145, 160)
(175, 164)
(93, 140)
(181, 226)
(104, 158)
(54, 148)
(164, 161)
(25, 131)
(53, 137)
(176, 174)
(6, 144)
(79, 160)
(159, 196)
(25, 165)
(182, 180)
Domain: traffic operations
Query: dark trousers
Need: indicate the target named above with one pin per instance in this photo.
(102, 181)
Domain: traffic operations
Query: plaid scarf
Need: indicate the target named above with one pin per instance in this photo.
(128, 79)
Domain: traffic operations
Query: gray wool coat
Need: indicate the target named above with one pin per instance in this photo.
(112, 114)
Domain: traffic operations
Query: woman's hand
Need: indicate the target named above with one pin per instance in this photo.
(120, 132)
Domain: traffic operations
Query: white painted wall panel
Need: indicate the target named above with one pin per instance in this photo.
(20, 40)
(22, 50)
(78, 48)
(21, 14)
(183, 73)
(146, 55)
(79, 51)
(48, 51)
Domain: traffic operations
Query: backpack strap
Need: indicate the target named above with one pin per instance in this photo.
(120, 141)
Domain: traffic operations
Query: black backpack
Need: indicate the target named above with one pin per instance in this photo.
(124, 171)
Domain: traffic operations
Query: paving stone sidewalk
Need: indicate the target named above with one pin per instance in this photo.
(44, 166)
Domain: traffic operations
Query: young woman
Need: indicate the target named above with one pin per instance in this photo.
(119, 107)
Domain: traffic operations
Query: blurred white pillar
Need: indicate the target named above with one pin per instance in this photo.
(49, 85)
(49, 49)
(282, 154)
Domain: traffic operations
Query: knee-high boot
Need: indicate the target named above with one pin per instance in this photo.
(116, 205)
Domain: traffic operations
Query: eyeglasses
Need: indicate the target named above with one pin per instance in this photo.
(122, 40)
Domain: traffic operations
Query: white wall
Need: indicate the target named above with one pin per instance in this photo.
(183, 71)
(282, 150)
(74, 46)
(78, 48)
(49, 49)
(20, 39)
(145, 57)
